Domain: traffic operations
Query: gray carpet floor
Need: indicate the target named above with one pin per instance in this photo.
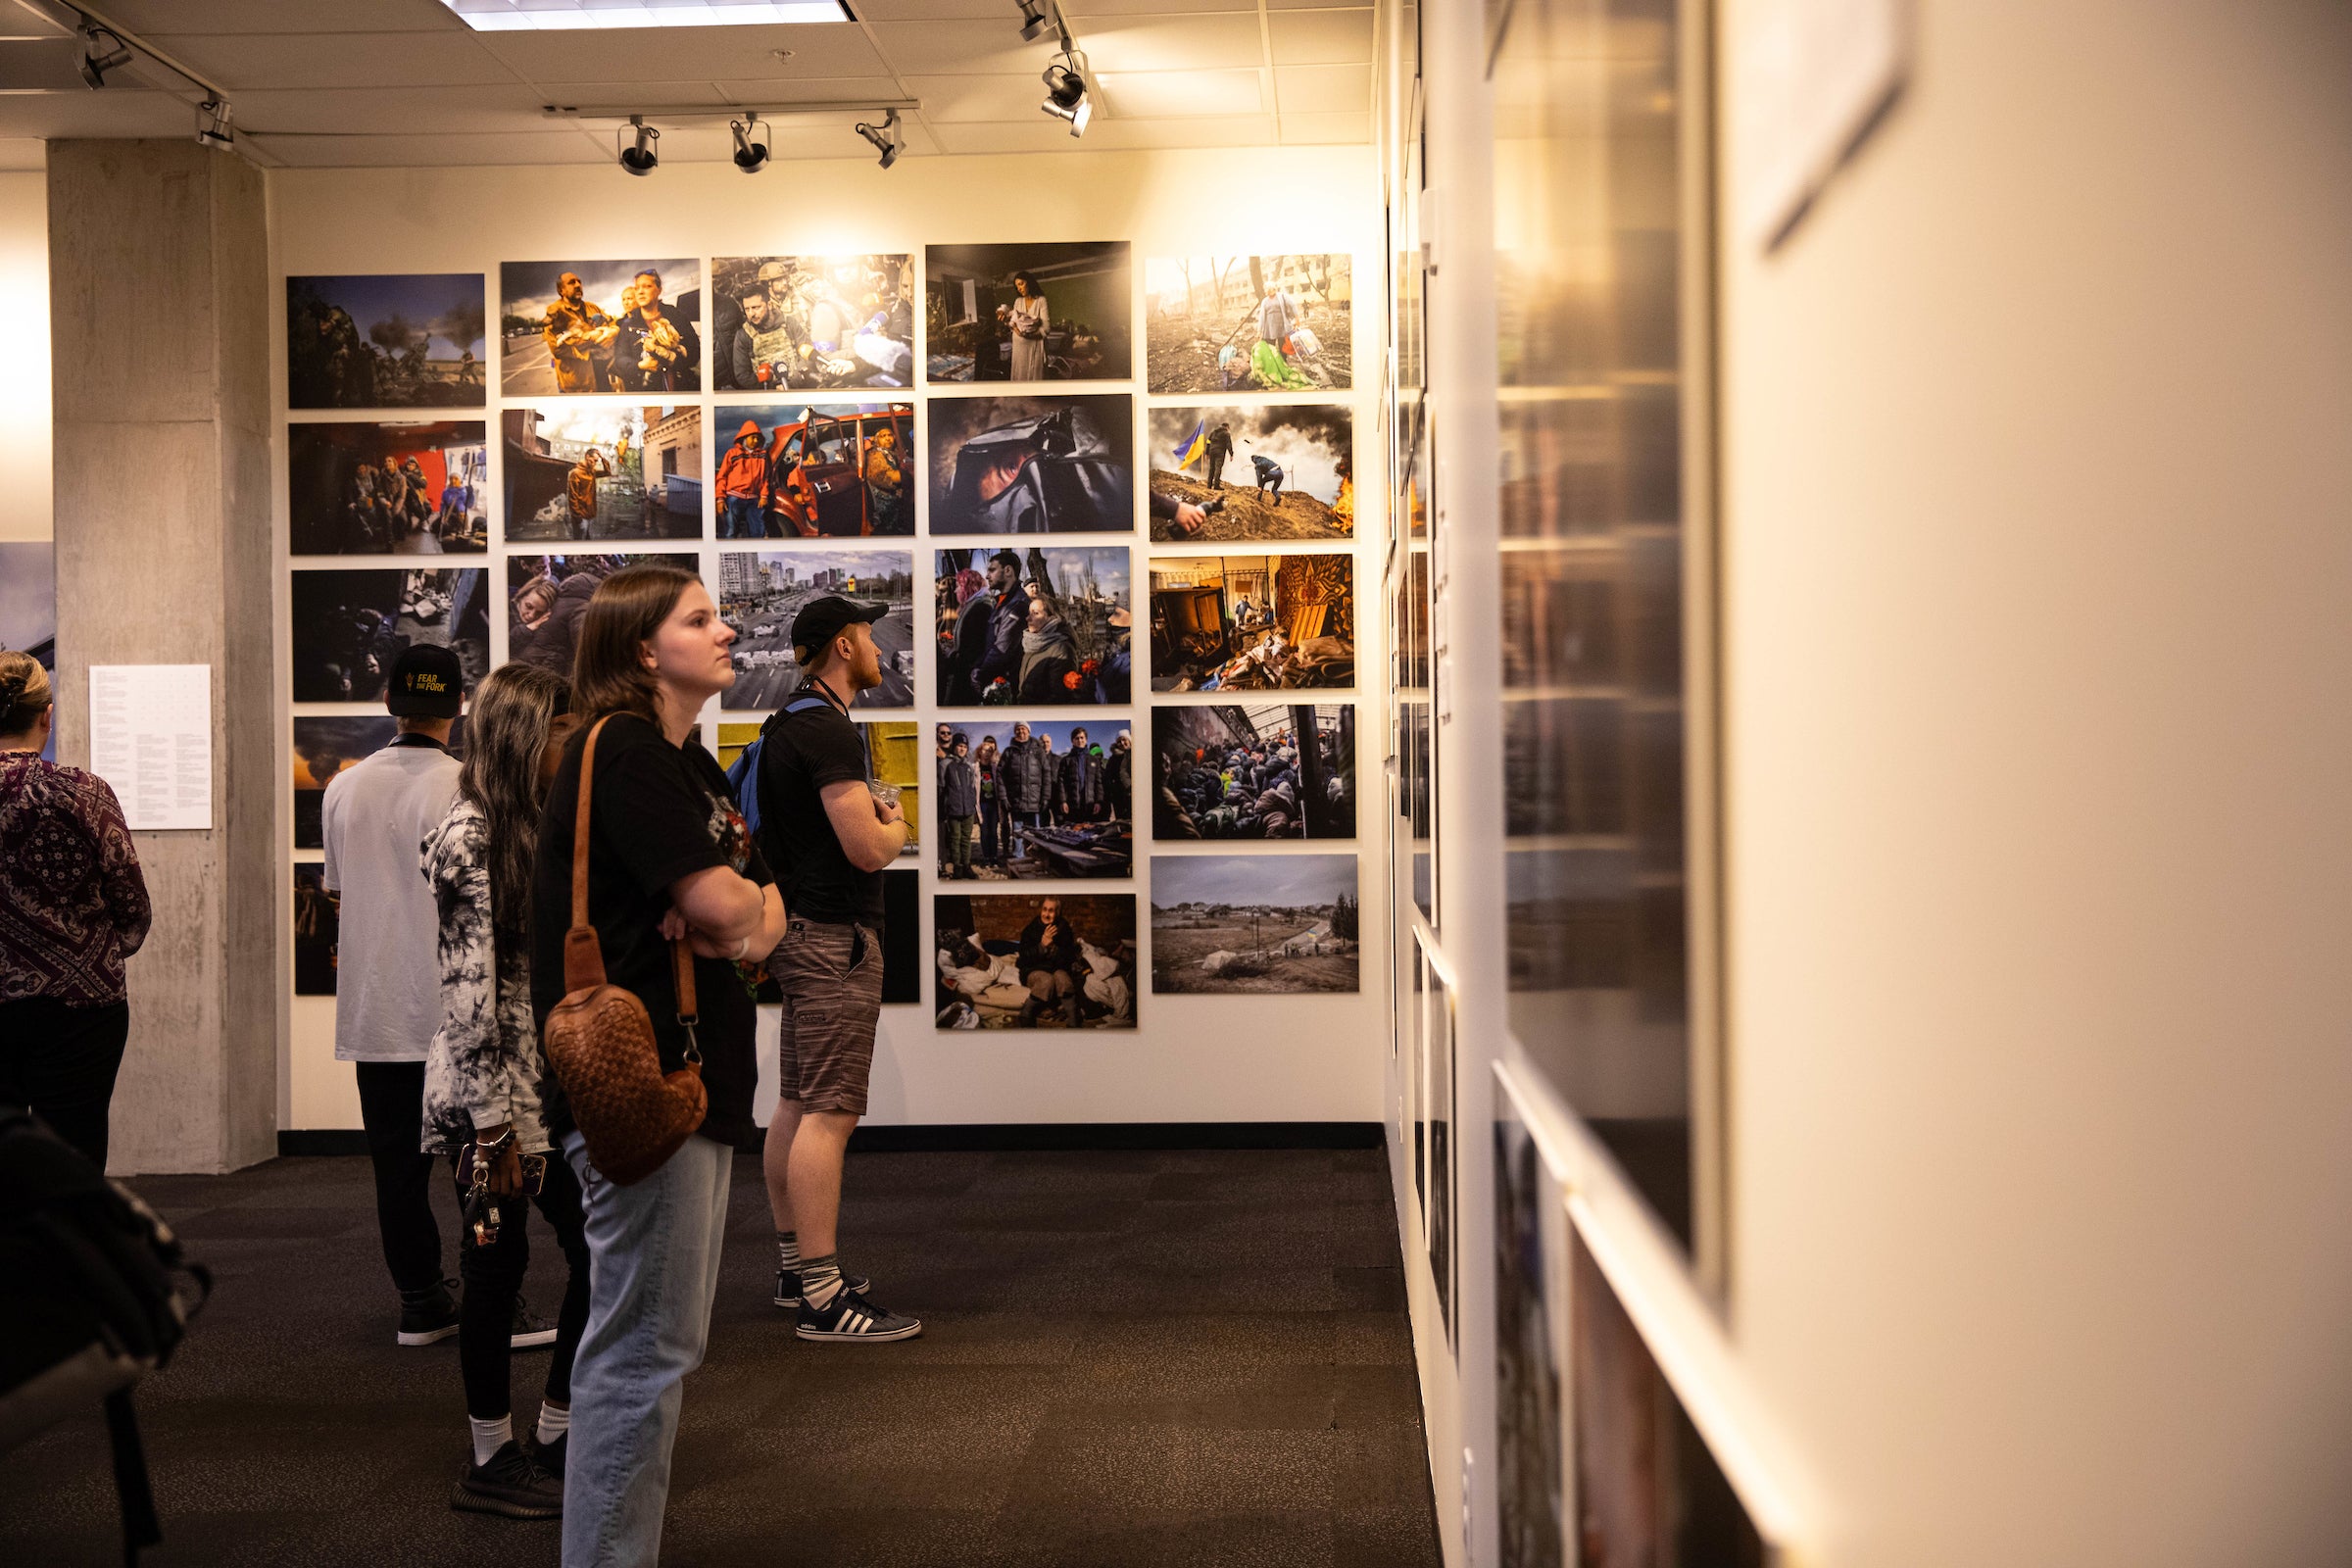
(1149, 1357)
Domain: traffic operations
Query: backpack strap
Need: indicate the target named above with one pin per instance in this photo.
(133, 1488)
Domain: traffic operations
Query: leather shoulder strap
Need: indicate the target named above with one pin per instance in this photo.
(583, 954)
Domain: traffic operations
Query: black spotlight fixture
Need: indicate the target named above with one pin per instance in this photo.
(886, 138)
(750, 156)
(95, 65)
(1065, 92)
(1033, 22)
(641, 159)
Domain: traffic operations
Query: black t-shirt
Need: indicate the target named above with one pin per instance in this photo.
(804, 753)
(660, 813)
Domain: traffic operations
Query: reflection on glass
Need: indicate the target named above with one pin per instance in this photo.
(1588, 206)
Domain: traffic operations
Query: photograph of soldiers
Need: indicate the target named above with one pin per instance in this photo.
(1253, 622)
(412, 489)
(1049, 626)
(1033, 464)
(1249, 323)
(1061, 794)
(1264, 770)
(1254, 924)
(349, 625)
(1009, 960)
(1279, 470)
(386, 340)
(806, 323)
(1028, 312)
(592, 472)
(760, 592)
(599, 327)
(841, 471)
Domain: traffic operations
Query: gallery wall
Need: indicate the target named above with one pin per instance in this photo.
(25, 480)
(1190, 1057)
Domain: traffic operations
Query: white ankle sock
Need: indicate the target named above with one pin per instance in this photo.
(554, 1420)
(491, 1436)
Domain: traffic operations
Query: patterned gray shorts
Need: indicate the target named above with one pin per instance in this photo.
(831, 979)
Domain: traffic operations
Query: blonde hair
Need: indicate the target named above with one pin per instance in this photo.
(24, 692)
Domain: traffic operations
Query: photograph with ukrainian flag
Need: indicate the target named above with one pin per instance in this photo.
(1274, 471)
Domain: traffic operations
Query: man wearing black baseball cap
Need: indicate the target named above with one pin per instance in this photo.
(827, 831)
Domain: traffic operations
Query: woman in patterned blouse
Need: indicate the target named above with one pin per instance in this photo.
(73, 906)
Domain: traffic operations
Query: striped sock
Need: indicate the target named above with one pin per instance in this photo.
(820, 1280)
(788, 1252)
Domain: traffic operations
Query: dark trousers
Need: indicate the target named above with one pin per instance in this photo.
(61, 1062)
(392, 1109)
(493, 1277)
(992, 831)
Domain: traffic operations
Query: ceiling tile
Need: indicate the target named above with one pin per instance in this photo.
(948, 100)
(395, 152)
(1005, 136)
(284, 16)
(1321, 37)
(1307, 5)
(824, 49)
(1075, 9)
(392, 111)
(778, 96)
(1173, 43)
(339, 59)
(1184, 94)
(95, 114)
(961, 48)
(1298, 130)
(1322, 89)
(999, 11)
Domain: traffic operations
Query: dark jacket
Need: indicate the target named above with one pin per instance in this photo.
(1118, 780)
(959, 787)
(1060, 955)
(551, 646)
(1026, 772)
(1078, 788)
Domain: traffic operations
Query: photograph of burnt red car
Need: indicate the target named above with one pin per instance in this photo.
(1044, 465)
(832, 470)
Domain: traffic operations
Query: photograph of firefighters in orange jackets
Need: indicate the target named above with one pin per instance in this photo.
(1033, 464)
(841, 471)
(783, 324)
(599, 327)
(603, 470)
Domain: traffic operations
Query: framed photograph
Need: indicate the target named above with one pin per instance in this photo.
(1047, 625)
(1226, 624)
(892, 757)
(28, 607)
(1255, 924)
(1029, 312)
(317, 928)
(546, 596)
(1249, 324)
(1055, 798)
(386, 340)
(412, 489)
(1530, 1218)
(1439, 1096)
(1254, 770)
(1047, 961)
(1278, 471)
(761, 591)
(350, 625)
(798, 323)
(829, 471)
(325, 746)
(603, 470)
(1033, 464)
(599, 327)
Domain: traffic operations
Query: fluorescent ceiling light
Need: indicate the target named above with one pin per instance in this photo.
(571, 16)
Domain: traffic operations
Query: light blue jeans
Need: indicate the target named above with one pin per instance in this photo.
(653, 1272)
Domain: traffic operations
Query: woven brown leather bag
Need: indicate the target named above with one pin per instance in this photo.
(600, 1041)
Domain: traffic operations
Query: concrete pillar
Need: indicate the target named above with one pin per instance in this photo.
(159, 309)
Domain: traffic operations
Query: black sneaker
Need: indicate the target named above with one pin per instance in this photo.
(788, 1286)
(855, 1317)
(431, 1317)
(510, 1485)
(531, 1331)
(549, 1456)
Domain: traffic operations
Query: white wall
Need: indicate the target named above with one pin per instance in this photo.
(25, 478)
(1194, 1058)
(2038, 547)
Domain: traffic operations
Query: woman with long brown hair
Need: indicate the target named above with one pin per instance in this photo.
(484, 1079)
(668, 856)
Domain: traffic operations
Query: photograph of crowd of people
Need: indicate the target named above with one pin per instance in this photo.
(761, 591)
(1253, 622)
(1033, 464)
(28, 607)
(1028, 312)
(833, 470)
(1049, 626)
(1263, 925)
(546, 596)
(604, 471)
(1027, 798)
(350, 625)
(1281, 470)
(812, 322)
(419, 488)
(386, 340)
(324, 747)
(599, 327)
(317, 928)
(893, 756)
(1256, 323)
(1011, 960)
(1265, 771)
